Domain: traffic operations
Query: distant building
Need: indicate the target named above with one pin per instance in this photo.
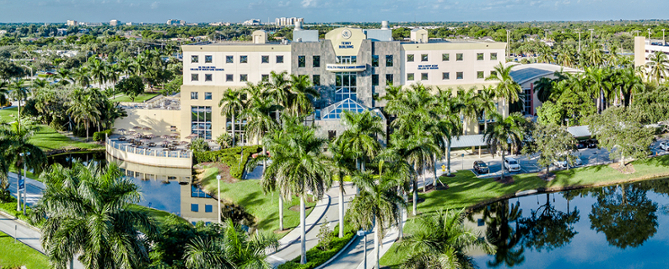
(114, 23)
(129, 23)
(528, 74)
(3, 32)
(251, 22)
(219, 24)
(71, 23)
(283, 21)
(62, 31)
(643, 49)
(176, 22)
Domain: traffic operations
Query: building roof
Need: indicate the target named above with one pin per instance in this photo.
(579, 131)
(466, 141)
(523, 73)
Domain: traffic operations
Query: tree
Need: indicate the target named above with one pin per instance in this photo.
(302, 92)
(377, 205)
(233, 248)
(442, 241)
(657, 65)
(360, 136)
(83, 108)
(553, 143)
(550, 113)
(259, 121)
(13, 142)
(131, 86)
(620, 131)
(506, 88)
(19, 92)
(89, 211)
(343, 166)
(548, 228)
(543, 87)
(505, 135)
(99, 71)
(231, 104)
(298, 166)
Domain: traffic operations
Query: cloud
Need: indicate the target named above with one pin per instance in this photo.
(154, 5)
(308, 3)
(283, 4)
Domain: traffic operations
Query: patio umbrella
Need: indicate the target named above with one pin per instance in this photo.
(131, 131)
(147, 128)
(121, 130)
(165, 136)
(174, 135)
(137, 127)
(150, 136)
(184, 142)
(192, 136)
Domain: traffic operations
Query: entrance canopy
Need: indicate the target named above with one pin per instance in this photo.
(468, 141)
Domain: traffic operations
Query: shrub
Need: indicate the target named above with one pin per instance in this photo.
(229, 156)
(99, 136)
(316, 256)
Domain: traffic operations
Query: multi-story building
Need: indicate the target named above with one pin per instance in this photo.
(350, 68)
(71, 23)
(283, 21)
(176, 22)
(114, 23)
(644, 48)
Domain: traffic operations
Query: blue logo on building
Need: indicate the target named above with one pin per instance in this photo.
(206, 68)
(346, 45)
(428, 66)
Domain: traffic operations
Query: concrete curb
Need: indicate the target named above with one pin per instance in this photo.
(308, 228)
(326, 263)
(5, 214)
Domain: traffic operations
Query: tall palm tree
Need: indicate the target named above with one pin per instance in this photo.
(15, 141)
(545, 54)
(19, 91)
(233, 248)
(89, 211)
(278, 87)
(82, 77)
(343, 166)
(231, 104)
(506, 88)
(98, 71)
(360, 137)
(657, 65)
(442, 241)
(298, 167)
(470, 101)
(543, 87)
(259, 120)
(84, 109)
(377, 205)
(449, 122)
(302, 91)
(505, 135)
(64, 76)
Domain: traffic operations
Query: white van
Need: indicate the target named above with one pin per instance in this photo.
(511, 164)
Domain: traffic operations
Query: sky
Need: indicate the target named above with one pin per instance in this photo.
(313, 11)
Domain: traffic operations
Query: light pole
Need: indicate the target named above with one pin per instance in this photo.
(364, 234)
(579, 41)
(591, 34)
(663, 43)
(649, 35)
(25, 190)
(218, 180)
(508, 44)
(18, 188)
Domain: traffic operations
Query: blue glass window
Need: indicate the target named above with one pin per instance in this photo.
(208, 208)
(194, 207)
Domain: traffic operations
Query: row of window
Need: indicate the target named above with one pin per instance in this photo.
(447, 57)
(447, 75)
(245, 77)
(229, 59)
(195, 96)
(196, 208)
(375, 79)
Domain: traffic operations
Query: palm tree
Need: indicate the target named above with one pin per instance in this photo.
(487, 105)
(470, 101)
(64, 76)
(233, 248)
(99, 72)
(377, 205)
(543, 87)
(278, 87)
(360, 137)
(449, 121)
(230, 105)
(505, 135)
(259, 120)
(302, 91)
(506, 88)
(84, 109)
(343, 166)
(82, 77)
(657, 65)
(442, 242)
(545, 54)
(4, 92)
(89, 211)
(19, 92)
(298, 166)
(15, 141)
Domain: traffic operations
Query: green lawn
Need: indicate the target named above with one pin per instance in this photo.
(265, 207)
(139, 99)
(8, 114)
(158, 215)
(467, 190)
(14, 255)
(48, 139)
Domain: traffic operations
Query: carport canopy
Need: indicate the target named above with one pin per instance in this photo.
(467, 141)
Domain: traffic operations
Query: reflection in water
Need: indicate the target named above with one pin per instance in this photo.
(616, 227)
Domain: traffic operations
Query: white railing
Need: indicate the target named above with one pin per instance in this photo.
(148, 152)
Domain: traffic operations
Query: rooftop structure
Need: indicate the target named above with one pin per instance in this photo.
(527, 74)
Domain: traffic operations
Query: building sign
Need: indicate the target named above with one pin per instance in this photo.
(342, 67)
(346, 34)
(346, 45)
(428, 66)
(206, 68)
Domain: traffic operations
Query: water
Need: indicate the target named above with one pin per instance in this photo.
(624, 226)
(166, 189)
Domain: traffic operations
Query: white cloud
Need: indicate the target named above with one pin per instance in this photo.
(308, 3)
(284, 4)
(154, 5)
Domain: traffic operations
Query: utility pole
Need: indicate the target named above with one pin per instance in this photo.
(508, 44)
(591, 34)
(663, 42)
(218, 180)
(579, 41)
(649, 31)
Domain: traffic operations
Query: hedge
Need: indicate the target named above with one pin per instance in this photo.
(229, 156)
(99, 136)
(316, 257)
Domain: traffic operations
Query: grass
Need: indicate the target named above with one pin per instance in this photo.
(158, 215)
(49, 139)
(8, 114)
(249, 194)
(466, 190)
(139, 99)
(17, 254)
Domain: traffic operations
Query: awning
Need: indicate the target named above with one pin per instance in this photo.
(468, 141)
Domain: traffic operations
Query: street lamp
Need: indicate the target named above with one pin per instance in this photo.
(25, 190)
(218, 180)
(663, 43)
(364, 233)
(649, 35)
(18, 188)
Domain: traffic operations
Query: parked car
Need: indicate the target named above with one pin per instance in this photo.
(582, 144)
(564, 164)
(664, 146)
(592, 143)
(511, 164)
(480, 167)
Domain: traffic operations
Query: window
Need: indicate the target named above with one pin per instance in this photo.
(201, 121)
(229, 59)
(423, 57)
(208, 59)
(345, 86)
(264, 77)
(389, 60)
(446, 57)
(346, 59)
(194, 207)
(317, 61)
(479, 56)
(228, 77)
(479, 74)
(207, 96)
(423, 76)
(458, 57)
(375, 60)
(389, 79)
(264, 59)
(301, 61)
(208, 208)
(493, 56)
(375, 80)
(409, 57)
(410, 76)
(493, 73)
(459, 75)
(317, 80)
(194, 59)
(279, 59)
(197, 192)
(243, 59)
(445, 76)
(207, 77)
(194, 77)
(243, 77)
(193, 95)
